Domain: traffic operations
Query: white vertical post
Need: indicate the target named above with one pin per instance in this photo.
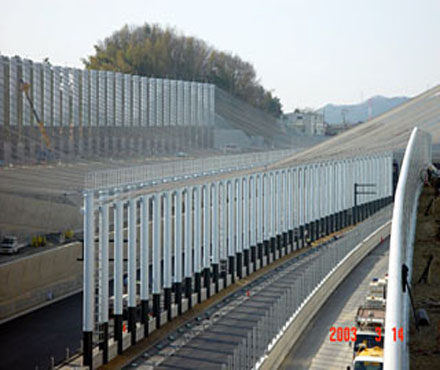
(118, 256)
(215, 223)
(167, 245)
(145, 257)
(206, 226)
(89, 262)
(272, 195)
(260, 236)
(252, 214)
(197, 229)
(104, 273)
(224, 221)
(157, 233)
(132, 268)
(118, 266)
(89, 274)
(103, 246)
(246, 213)
(156, 243)
(132, 252)
(178, 237)
(188, 232)
(239, 210)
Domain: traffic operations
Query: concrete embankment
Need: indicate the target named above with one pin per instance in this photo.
(33, 281)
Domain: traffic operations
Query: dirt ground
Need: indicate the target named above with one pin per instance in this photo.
(425, 343)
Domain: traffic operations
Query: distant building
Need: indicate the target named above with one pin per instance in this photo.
(305, 122)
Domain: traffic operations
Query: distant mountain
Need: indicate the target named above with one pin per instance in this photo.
(354, 113)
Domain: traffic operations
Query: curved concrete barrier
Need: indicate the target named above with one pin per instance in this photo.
(283, 346)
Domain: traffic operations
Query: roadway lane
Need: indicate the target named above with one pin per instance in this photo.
(314, 350)
(29, 341)
(208, 342)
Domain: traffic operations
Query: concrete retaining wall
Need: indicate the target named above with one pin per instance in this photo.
(282, 348)
(32, 281)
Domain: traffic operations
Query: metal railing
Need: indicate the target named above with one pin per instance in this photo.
(235, 222)
(417, 156)
(178, 170)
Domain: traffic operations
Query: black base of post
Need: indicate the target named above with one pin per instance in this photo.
(290, 239)
(246, 261)
(104, 343)
(207, 281)
(307, 238)
(295, 244)
(215, 273)
(322, 227)
(317, 229)
(178, 296)
(301, 236)
(118, 332)
(261, 247)
(279, 245)
(167, 301)
(254, 256)
(332, 223)
(345, 218)
(198, 286)
(132, 324)
(266, 244)
(285, 242)
(156, 309)
(232, 268)
(326, 225)
(240, 265)
(188, 291)
(312, 232)
(224, 274)
(337, 223)
(88, 348)
(273, 248)
(144, 316)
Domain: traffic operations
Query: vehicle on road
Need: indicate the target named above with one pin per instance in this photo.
(11, 245)
(369, 359)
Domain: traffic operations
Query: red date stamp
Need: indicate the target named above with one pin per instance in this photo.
(349, 334)
(340, 334)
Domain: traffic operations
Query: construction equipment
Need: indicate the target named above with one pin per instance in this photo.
(25, 86)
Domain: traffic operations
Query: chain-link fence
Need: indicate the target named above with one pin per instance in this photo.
(260, 340)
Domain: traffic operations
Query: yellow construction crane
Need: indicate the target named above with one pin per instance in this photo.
(25, 86)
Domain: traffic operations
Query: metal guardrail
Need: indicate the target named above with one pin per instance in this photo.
(176, 171)
(417, 156)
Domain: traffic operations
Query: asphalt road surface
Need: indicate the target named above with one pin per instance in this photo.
(314, 350)
(29, 341)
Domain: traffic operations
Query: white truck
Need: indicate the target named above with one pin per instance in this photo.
(11, 245)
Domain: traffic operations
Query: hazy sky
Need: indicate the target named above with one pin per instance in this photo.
(309, 52)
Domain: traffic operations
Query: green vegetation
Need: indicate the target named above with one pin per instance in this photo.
(150, 50)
